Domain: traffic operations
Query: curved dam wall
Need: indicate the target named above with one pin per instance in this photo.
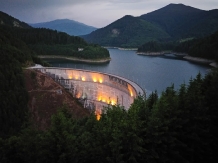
(95, 89)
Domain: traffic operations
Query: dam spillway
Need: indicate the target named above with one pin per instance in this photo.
(95, 89)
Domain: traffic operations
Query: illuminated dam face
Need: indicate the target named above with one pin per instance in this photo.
(94, 88)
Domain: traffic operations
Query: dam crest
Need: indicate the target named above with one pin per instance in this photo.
(95, 90)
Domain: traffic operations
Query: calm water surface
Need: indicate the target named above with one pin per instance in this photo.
(151, 73)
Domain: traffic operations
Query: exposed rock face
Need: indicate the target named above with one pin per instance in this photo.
(46, 97)
(16, 24)
(115, 32)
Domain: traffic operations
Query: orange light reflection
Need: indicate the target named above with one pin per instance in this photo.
(98, 114)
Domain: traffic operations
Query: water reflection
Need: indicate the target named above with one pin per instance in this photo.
(151, 73)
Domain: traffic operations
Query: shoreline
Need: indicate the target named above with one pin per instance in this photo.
(119, 48)
(77, 59)
(153, 53)
(180, 54)
(201, 60)
(197, 59)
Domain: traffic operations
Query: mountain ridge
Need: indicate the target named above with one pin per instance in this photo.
(68, 26)
(8, 20)
(173, 23)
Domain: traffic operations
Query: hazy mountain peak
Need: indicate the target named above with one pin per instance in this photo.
(68, 26)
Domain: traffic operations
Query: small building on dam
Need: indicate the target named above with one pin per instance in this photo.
(95, 89)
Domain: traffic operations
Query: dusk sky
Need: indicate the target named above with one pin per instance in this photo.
(97, 13)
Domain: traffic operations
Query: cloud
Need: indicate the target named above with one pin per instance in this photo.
(97, 13)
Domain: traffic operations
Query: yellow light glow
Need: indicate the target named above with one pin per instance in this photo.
(94, 80)
(70, 77)
(112, 102)
(83, 79)
(78, 95)
(103, 100)
(98, 116)
(76, 77)
(100, 80)
(99, 98)
(131, 93)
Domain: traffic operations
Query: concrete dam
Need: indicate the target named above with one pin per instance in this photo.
(95, 89)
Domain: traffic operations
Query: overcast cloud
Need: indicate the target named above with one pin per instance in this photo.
(98, 13)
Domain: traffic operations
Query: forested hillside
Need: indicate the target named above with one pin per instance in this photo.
(128, 31)
(50, 42)
(173, 22)
(204, 48)
(179, 126)
(154, 46)
(13, 95)
(8, 20)
(181, 21)
(17, 52)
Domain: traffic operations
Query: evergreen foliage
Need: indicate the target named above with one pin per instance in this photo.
(13, 95)
(41, 41)
(154, 46)
(179, 126)
(170, 23)
(204, 48)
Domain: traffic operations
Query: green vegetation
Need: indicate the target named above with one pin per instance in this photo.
(155, 46)
(179, 126)
(173, 22)
(205, 48)
(181, 21)
(47, 42)
(17, 47)
(71, 50)
(13, 95)
(127, 32)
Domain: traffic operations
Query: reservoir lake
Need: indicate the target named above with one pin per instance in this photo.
(149, 72)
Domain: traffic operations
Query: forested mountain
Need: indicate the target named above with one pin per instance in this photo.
(6, 19)
(19, 47)
(178, 126)
(128, 31)
(206, 47)
(181, 21)
(70, 27)
(170, 23)
(154, 46)
(43, 41)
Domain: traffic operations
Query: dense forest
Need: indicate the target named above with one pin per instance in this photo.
(178, 126)
(49, 42)
(41, 41)
(154, 46)
(170, 23)
(206, 47)
(127, 32)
